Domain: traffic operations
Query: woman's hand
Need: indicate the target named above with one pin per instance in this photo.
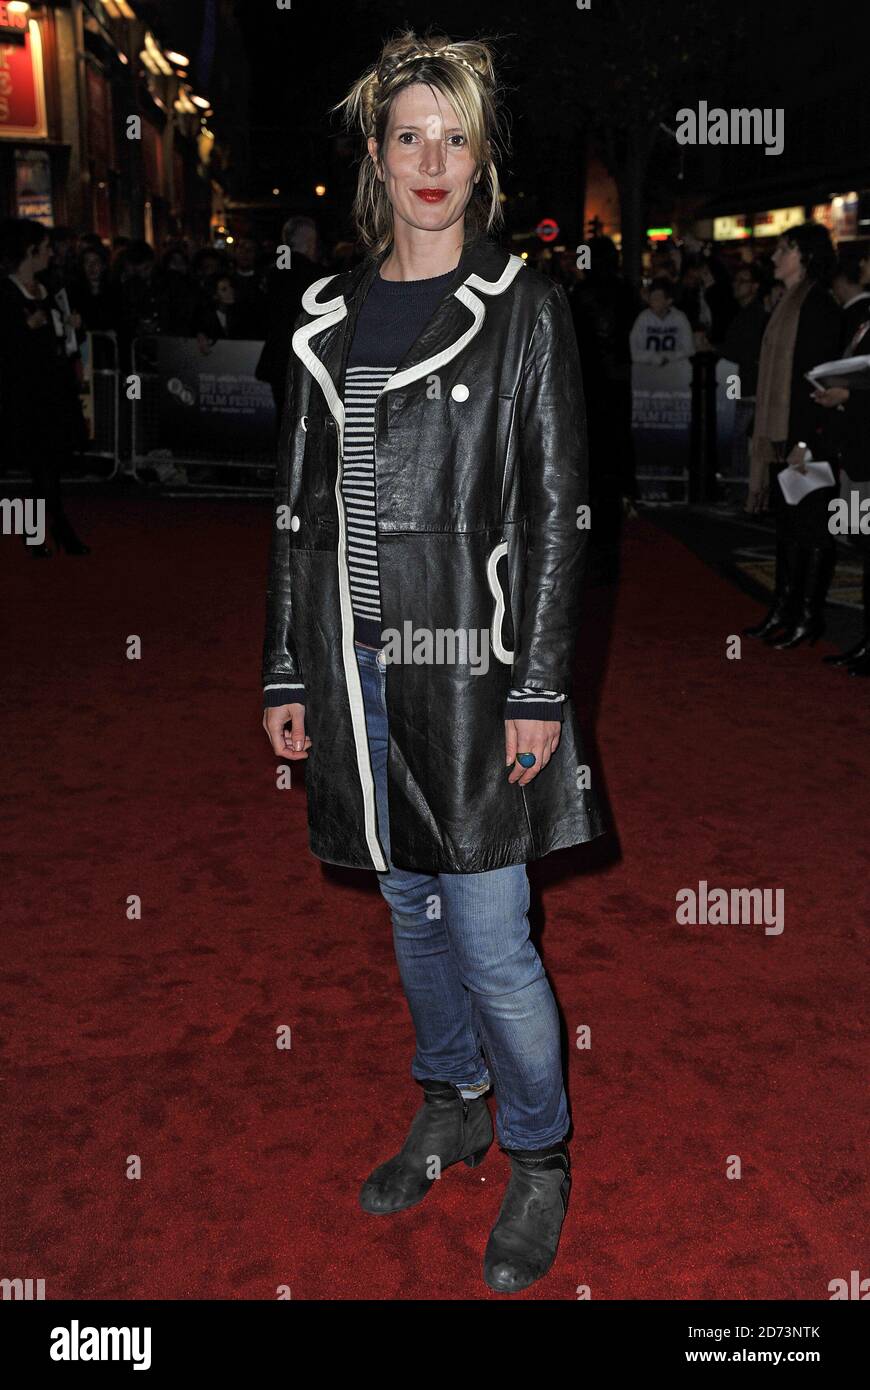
(830, 395)
(38, 319)
(538, 736)
(287, 743)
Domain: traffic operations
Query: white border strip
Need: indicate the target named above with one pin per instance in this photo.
(330, 316)
(498, 647)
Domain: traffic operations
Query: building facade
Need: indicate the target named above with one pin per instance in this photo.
(103, 124)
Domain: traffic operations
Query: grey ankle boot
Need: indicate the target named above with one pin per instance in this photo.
(523, 1242)
(446, 1129)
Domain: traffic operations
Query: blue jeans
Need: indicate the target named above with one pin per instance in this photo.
(473, 980)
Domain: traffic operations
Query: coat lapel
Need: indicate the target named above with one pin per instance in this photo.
(323, 344)
(484, 269)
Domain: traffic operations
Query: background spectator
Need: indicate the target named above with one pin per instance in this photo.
(742, 344)
(661, 333)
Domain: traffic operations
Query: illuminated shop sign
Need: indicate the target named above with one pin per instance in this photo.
(777, 221)
(13, 20)
(844, 209)
(22, 90)
(731, 228)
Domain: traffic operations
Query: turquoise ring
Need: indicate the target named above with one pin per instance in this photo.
(526, 759)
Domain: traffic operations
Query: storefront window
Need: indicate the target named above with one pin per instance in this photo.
(33, 186)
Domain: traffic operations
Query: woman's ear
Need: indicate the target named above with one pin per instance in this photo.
(372, 147)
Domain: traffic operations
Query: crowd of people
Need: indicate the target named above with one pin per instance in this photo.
(224, 290)
(56, 287)
(776, 316)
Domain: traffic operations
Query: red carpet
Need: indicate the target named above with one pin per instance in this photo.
(156, 1038)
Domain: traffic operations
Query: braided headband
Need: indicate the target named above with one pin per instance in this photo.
(434, 53)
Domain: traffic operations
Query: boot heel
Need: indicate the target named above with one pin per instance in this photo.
(472, 1160)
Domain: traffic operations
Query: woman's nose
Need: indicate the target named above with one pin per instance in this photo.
(432, 161)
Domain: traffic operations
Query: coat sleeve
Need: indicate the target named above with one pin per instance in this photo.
(555, 483)
(817, 340)
(281, 666)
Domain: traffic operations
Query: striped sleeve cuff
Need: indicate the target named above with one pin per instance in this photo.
(274, 695)
(533, 704)
(520, 703)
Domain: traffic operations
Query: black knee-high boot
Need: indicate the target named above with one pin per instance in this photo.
(779, 611)
(817, 569)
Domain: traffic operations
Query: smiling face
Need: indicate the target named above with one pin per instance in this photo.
(426, 165)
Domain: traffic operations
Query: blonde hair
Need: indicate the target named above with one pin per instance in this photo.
(464, 73)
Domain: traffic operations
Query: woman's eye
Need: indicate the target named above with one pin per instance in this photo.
(456, 141)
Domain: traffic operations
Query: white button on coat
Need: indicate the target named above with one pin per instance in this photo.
(295, 523)
(459, 392)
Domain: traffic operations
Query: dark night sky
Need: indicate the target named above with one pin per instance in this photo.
(303, 61)
(783, 52)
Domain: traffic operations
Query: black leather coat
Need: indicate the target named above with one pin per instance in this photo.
(480, 469)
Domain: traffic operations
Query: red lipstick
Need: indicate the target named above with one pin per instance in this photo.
(431, 195)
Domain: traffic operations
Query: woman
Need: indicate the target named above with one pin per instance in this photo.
(802, 330)
(90, 293)
(423, 602)
(220, 316)
(40, 412)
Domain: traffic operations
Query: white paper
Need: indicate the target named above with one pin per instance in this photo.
(832, 373)
(64, 328)
(796, 485)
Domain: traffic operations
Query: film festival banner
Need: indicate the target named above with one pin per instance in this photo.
(212, 401)
(661, 417)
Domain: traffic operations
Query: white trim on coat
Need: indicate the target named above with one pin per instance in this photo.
(328, 316)
(477, 307)
(325, 315)
(497, 592)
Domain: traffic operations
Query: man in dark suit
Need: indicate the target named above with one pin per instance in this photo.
(852, 298)
(286, 282)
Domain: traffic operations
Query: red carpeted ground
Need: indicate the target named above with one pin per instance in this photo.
(156, 1037)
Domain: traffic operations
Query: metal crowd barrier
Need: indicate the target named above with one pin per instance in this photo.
(708, 469)
(106, 443)
(205, 470)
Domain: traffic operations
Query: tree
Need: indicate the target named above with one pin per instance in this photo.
(622, 70)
